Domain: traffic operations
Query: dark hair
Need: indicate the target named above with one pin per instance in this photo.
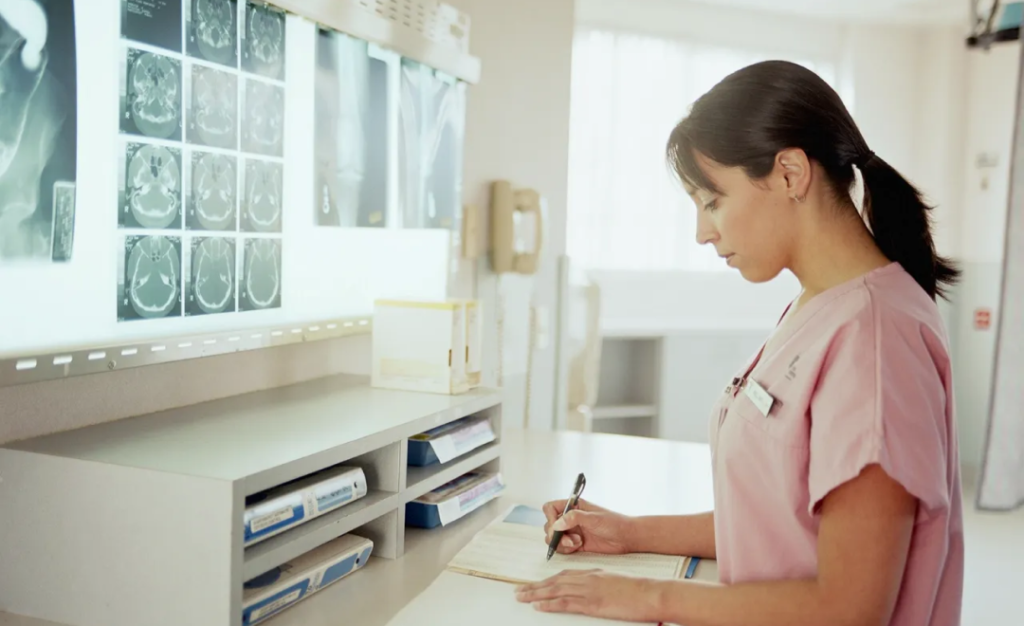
(762, 109)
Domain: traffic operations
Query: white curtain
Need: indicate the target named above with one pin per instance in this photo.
(1002, 481)
(626, 211)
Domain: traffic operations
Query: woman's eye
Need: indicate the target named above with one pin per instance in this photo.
(711, 205)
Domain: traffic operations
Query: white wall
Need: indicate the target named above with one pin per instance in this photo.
(714, 25)
(991, 103)
(925, 104)
(518, 130)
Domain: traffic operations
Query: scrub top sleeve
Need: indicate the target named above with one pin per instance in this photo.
(880, 399)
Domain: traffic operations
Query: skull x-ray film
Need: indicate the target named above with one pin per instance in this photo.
(150, 193)
(351, 143)
(260, 283)
(153, 22)
(211, 273)
(149, 280)
(263, 129)
(151, 89)
(213, 108)
(38, 129)
(262, 196)
(212, 192)
(431, 131)
(211, 30)
(263, 39)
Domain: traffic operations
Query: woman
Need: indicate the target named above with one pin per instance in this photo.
(837, 488)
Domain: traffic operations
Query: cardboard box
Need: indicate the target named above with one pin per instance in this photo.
(427, 346)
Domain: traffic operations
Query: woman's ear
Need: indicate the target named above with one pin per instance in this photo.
(796, 172)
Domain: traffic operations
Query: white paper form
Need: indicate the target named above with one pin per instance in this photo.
(516, 553)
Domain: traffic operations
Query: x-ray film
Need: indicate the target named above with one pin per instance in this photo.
(351, 143)
(153, 22)
(263, 129)
(431, 139)
(212, 192)
(63, 221)
(263, 196)
(149, 279)
(211, 30)
(38, 125)
(151, 90)
(212, 285)
(150, 192)
(263, 39)
(213, 108)
(261, 275)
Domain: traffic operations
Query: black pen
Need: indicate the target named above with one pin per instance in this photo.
(577, 491)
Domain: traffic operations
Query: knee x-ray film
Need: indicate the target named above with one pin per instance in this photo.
(351, 142)
(431, 132)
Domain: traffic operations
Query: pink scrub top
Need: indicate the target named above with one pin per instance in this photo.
(860, 375)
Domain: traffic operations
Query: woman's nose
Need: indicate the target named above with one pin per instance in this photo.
(706, 232)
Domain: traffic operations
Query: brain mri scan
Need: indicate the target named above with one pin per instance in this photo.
(213, 275)
(263, 183)
(262, 274)
(213, 26)
(214, 108)
(264, 124)
(154, 93)
(214, 191)
(153, 277)
(265, 41)
(153, 186)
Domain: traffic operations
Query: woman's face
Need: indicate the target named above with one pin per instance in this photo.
(749, 222)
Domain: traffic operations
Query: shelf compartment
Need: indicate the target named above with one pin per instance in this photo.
(420, 480)
(282, 548)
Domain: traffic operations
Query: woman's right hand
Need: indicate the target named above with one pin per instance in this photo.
(588, 528)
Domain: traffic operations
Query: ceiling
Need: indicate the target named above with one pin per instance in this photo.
(953, 12)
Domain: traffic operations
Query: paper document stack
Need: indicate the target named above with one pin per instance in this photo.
(514, 551)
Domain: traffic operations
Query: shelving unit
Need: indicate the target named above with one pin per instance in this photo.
(151, 506)
(628, 390)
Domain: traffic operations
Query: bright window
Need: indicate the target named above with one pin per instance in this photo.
(626, 209)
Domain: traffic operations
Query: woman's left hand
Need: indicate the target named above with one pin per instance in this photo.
(594, 593)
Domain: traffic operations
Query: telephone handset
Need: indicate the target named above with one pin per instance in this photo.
(517, 228)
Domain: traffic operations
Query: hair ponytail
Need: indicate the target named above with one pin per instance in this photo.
(762, 109)
(901, 224)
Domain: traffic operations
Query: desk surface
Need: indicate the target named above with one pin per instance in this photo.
(632, 475)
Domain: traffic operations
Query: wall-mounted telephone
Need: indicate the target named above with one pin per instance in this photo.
(517, 228)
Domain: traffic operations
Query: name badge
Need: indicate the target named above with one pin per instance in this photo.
(761, 398)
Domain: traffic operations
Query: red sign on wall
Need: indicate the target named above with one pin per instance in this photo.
(982, 319)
